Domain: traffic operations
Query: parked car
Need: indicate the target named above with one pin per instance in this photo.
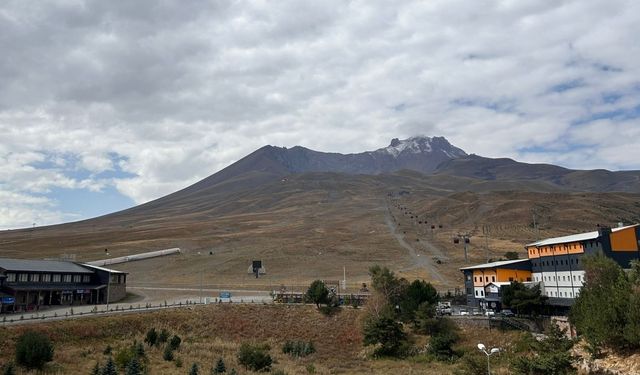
(507, 313)
(490, 313)
(464, 313)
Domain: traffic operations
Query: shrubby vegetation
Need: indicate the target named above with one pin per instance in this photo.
(523, 299)
(550, 355)
(255, 357)
(397, 302)
(607, 311)
(298, 348)
(33, 350)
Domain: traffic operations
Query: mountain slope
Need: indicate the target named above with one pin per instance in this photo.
(504, 169)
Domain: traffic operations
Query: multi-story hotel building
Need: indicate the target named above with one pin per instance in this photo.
(554, 263)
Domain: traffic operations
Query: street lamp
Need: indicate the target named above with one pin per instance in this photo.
(483, 349)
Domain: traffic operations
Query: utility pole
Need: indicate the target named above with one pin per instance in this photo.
(485, 231)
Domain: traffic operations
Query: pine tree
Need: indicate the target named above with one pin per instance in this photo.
(134, 367)
(194, 369)
(9, 369)
(110, 368)
(96, 369)
(168, 353)
(139, 348)
(220, 368)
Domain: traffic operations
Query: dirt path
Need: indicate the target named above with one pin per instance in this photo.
(419, 260)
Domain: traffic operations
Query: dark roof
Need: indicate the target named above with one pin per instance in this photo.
(32, 265)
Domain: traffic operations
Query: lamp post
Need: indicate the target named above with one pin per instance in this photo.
(483, 349)
(108, 280)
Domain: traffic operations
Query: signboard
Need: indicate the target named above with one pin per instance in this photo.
(492, 289)
(225, 294)
(8, 300)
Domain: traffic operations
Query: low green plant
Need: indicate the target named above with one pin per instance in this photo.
(298, 348)
(33, 350)
(167, 355)
(255, 357)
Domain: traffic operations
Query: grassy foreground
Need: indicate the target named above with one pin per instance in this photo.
(214, 331)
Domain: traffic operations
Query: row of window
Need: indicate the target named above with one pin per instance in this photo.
(561, 262)
(481, 294)
(550, 249)
(493, 279)
(479, 279)
(564, 278)
(47, 278)
(552, 293)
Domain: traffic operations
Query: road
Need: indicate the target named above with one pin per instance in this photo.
(419, 260)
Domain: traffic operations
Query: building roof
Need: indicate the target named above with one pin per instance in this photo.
(32, 265)
(575, 237)
(102, 268)
(495, 264)
(566, 239)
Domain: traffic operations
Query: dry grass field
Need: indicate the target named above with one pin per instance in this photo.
(214, 331)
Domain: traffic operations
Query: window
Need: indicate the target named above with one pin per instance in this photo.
(34, 277)
(511, 279)
(486, 279)
(86, 278)
(475, 279)
(114, 279)
(11, 277)
(528, 279)
(468, 277)
(493, 278)
(66, 278)
(476, 293)
(23, 277)
(46, 278)
(56, 278)
(77, 278)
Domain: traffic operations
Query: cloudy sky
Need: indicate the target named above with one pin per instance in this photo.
(107, 104)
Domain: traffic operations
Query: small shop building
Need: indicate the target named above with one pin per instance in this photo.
(28, 284)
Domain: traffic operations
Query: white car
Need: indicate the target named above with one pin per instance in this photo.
(490, 313)
(464, 313)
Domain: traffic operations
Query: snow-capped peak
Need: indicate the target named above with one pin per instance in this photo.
(422, 144)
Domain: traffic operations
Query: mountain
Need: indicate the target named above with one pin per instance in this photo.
(504, 169)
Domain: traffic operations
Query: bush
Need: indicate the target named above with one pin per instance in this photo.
(386, 332)
(549, 356)
(134, 367)
(194, 369)
(9, 369)
(174, 344)
(110, 368)
(254, 357)
(152, 337)
(163, 336)
(298, 348)
(219, 368)
(33, 350)
(167, 355)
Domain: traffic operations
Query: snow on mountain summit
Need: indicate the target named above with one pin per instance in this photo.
(422, 144)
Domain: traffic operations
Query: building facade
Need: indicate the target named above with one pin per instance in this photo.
(482, 282)
(27, 284)
(556, 264)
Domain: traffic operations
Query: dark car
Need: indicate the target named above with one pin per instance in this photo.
(507, 313)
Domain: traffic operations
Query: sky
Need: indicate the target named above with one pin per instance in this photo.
(109, 104)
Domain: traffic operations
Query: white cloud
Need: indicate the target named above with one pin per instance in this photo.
(171, 92)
